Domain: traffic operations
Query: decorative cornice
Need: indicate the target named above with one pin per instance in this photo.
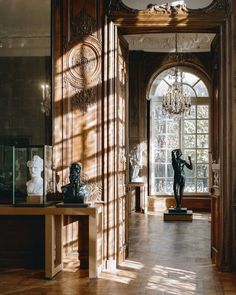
(167, 9)
(118, 5)
(182, 58)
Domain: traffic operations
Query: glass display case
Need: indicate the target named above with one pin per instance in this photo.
(33, 176)
(6, 174)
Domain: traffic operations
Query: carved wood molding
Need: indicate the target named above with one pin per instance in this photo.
(167, 9)
(118, 5)
(83, 25)
(156, 17)
(83, 98)
(82, 58)
(182, 59)
(83, 63)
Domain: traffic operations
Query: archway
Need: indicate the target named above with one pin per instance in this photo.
(189, 132)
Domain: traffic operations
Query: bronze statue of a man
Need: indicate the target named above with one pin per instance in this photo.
(179, 175)
(75, 191)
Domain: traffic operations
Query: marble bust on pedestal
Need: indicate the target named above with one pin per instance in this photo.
(35, 184)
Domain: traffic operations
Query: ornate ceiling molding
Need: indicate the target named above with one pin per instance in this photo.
(167, 9)
(156, 18)
(118, 5)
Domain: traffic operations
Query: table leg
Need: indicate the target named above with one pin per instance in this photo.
(53, 245)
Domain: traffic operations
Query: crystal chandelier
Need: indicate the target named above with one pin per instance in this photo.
(176, 101)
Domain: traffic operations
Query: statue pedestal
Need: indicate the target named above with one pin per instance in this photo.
(181, 214)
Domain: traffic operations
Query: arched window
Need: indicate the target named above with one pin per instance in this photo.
(190, 133)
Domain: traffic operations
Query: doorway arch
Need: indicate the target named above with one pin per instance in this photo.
(189, 131)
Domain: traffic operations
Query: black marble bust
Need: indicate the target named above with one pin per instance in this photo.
(76, 190)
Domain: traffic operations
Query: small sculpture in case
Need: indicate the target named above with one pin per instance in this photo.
(33, 176)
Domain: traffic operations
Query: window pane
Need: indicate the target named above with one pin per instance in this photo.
(190, 173)
(202, 141)
(202, 185)
(190, 78)
(172, 127)
(160, 141)
(202, 156)
(169, 157)
(170, 171)
(202, 126)
(191, 153)
(161, 88)
(172, 141)
(189, 141)
(188, 90)
(192, 114)
(159, 186)
(159, 170)
(189, 126)
(202, 170)
(190, 185)
(160, 127)
(169, 185)
(202, 112)
(157, 112)
(201, 89)
(159, 156)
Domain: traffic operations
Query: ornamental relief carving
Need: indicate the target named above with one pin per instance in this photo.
(81, 59)
(83, 25)
(83, 64)
(167, 9)
(82, 98)
(182, 58)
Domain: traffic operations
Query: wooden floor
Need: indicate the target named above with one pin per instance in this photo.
(165, 258)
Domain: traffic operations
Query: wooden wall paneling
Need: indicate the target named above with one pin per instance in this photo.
(111, 172)
(226, 150)
(215, 151)
(122, 216)
(78, 56)
(78, 113)
(233, 81)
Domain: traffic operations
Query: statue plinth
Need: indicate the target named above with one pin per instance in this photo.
(177, 210)
(180, 214)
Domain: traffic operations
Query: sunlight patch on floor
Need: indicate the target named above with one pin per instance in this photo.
(172, 280)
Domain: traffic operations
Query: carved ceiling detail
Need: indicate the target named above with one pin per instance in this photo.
(167, 9)
(165, 42)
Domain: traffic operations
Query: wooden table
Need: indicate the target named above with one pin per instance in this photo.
(53, 234)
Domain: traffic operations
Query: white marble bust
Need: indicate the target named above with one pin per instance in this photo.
(35, 184)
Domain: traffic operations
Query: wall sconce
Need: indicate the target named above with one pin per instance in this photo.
(46, 102)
